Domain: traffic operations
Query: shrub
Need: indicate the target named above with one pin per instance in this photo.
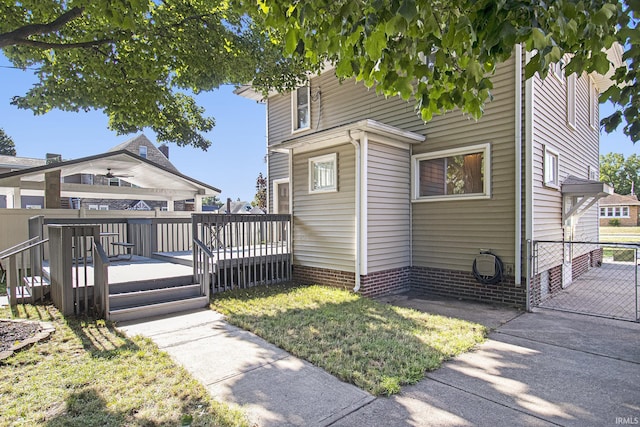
(614, 222)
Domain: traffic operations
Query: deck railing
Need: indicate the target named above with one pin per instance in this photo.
(148, 235)
(79, 280)
(24, 271)
(248, 249)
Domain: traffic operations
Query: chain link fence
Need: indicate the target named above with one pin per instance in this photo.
(586, 277)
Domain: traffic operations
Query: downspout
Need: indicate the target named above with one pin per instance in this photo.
(529, 129)
(518, 177)
(356, 144)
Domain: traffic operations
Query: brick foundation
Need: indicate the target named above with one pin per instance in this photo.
(460, 284)
(450, 283)
(312, 275)
(386, 282)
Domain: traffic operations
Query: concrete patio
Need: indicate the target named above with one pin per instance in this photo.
(536, 369)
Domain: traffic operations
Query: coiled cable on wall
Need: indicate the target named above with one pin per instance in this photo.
(489, 280)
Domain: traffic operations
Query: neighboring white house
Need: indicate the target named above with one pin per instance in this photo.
(383, 202)
(134, 175)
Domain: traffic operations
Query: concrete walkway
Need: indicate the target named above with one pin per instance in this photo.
(272, 387)
(543, 368)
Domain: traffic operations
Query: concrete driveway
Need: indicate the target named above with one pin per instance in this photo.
(542, 368)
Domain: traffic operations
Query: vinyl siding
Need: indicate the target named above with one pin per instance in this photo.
(449, 234)
(445, 234)
(577, 149)
(323, 230)
(388, 206)
(339, 104)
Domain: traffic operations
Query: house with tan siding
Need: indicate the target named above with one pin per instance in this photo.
(382, 202)
(618, 209)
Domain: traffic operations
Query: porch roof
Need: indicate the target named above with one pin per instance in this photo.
(341, 134)
(152, 181)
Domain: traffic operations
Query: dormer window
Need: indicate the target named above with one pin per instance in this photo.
(300, 117)
(143, 151)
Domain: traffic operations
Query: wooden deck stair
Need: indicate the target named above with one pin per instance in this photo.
(154, 297)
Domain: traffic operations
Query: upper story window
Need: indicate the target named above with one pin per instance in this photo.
(571, 100)
(551, 174)
(143, 151)
(114, 182)
(452, 174)
(323, 173)
(300, 109)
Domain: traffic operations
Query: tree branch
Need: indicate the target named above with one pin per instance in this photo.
(47, 45)
(21, 34)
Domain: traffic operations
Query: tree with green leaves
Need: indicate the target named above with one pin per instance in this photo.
(260, 199)
(442, 54)
(139, 61)
(623, 174)
(7, 146)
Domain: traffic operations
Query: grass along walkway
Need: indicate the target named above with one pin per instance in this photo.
(88, 374)
(375, 346)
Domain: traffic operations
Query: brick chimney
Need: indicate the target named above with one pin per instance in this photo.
(164, 149)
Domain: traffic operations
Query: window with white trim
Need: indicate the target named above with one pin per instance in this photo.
(571, 100)
(142, 150)
(614, 212)
(323, 173)
(93, 207)
(551, 175)
(300, 111)
(104, 208)
(451, 174)
(594, 119)
(114, 182)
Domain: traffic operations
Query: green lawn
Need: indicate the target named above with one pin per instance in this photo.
(375, 346)
(88, 374)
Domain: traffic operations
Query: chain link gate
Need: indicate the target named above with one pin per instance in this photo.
(593, 278)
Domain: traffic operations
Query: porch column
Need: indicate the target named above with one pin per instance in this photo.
(198, 203)
(14, 199)
(52, 190)
(170, 205)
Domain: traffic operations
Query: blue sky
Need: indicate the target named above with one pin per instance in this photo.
(231, 164)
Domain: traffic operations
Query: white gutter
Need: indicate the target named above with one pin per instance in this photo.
(356, 144)
(528, 161)
(518, 177)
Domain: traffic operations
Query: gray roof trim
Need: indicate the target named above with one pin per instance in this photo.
(574, 186)
(339, 134)
(104, 156)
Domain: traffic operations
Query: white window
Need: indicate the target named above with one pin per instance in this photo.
(452, 174)
(104, 208)
(281, 196)
(300, 109)
(592, 173)
(615, 212)
(34, 206)
(551, 168)
(114, 182)
(93, 207)
(571, 100)
(594, 119)
(143, 151)
(323, 173)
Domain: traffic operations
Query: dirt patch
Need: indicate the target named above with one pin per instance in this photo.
(18, 334)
